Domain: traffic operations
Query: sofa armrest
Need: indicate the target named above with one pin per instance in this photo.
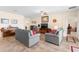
(36, 35)
(34, 39)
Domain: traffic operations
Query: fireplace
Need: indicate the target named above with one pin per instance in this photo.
(44, 28)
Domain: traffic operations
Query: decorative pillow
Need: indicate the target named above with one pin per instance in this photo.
(54, 31)
(33, 33)
(49, 30)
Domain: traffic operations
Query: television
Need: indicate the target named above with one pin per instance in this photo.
(44, 25)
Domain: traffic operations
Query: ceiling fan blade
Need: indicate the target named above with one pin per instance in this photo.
(72, 7)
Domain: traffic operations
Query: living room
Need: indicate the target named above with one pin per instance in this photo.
(16, 22)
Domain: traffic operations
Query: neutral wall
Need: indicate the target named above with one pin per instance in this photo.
(78, 24)
(63, 19)
(73, 18)
(27, 23)
(11, 16)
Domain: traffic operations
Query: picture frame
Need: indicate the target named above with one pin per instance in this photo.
(4, 21)
(45, 19)
(14, 21)
(54, 20)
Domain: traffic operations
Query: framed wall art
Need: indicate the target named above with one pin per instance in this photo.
(44, 19)
(4, 21)
(14, 21)
(54, 20)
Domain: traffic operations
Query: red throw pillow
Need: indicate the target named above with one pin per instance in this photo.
(53, 31)
(49, 30)
(33, 32)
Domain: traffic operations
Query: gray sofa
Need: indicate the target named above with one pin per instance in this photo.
(25, 37)
(54, 38)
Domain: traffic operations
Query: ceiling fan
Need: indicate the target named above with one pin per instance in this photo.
(72, 7)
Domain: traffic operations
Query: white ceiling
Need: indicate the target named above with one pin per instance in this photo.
(31, 11)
